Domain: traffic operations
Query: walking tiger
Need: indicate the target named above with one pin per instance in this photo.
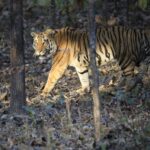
(69, 47)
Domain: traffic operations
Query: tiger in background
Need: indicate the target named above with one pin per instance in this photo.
(70, 47)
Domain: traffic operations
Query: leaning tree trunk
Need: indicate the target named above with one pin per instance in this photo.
(94, 71)
(17, 89)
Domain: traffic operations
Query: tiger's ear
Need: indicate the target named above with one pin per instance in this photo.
(33, 34)
(50, 32)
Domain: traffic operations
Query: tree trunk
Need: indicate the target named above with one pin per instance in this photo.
(17, 89)
(67, 5)
(127, 12)
(94, 71)
(53, 13)
(104, 12)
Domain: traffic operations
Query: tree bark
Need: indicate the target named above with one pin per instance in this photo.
(68, 22)
(53, 13)
(94, 71)
(17, 89)
(127, 12)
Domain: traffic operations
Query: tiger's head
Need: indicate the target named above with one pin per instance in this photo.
(43, 41)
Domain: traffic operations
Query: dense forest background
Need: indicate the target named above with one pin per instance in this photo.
(64, 120)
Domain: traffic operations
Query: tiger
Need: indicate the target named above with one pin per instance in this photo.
(70, 47)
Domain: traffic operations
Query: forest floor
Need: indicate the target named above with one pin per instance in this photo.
(64, 120)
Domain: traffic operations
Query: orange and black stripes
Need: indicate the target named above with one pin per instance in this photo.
(70, 47)
(128, 46)
(124, 44)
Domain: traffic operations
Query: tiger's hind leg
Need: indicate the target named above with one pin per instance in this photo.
(84, 79)
(128, 69)
(129, 80)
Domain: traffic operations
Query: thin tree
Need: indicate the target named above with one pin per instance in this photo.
(104, 11)
(94, 71)
(127, 11)
(17, 89)
(52, 13)
(67, 5)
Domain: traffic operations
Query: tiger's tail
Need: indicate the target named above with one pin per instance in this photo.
(147, 32)
(147, 37)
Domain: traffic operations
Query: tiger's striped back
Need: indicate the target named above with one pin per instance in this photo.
(128, 46)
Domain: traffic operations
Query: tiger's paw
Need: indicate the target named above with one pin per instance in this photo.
(83, 91)
(44, 94)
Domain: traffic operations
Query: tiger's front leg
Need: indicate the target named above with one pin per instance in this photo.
(59, 66)
(84, 79)
(51, 81)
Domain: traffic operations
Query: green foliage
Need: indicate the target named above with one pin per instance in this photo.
(40, 2)
(60, 4)
(43, 2)
(143, 4)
